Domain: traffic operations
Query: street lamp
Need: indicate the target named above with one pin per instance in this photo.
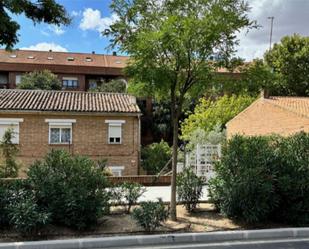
(271, 30)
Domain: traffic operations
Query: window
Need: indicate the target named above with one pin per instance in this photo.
(60, 135)
(50, 58)
(88, 59)
(69, 82)
(60, 131)
(115, 131)
(70, 58)
(30, 57)
(116, 170)
(18, 79)
(92, 84)
(7, 123)
(13, 55)
(3, 79)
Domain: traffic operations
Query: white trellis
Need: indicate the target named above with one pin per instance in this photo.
(202, 160)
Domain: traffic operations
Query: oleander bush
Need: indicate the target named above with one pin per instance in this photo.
(189, 189)
(70, 188)
(150, 215)
(264, 178)
(129, 193)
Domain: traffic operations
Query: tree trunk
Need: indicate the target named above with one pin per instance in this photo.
(174, 164)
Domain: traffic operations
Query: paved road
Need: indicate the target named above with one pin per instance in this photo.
(265, 244)
(153, 193)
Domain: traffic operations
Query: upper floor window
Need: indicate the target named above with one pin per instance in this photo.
(3, 79)
(13, 124)
(115, 131)
(18, 79)
(93, 84)
(70, 58)
(70, 82)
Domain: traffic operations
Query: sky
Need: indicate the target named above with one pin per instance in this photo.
(91, 17)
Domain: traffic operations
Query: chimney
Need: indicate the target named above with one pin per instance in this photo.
(114, 53)
(93, 52)
(50, 50)
(265, 93)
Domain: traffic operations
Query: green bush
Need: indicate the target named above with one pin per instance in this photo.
(292, 181)
(24, 213)
(44, 80)
(70, 188)
(189, 188)
(155, 156)
(264, 178)
(150, 215)
(129, 194)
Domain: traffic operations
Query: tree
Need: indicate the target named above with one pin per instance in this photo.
(290, 60)
(114, 86)
(44, 80)
(155, 156)
(209, 113)
(9, 151)
(47, 11)
(171, 43)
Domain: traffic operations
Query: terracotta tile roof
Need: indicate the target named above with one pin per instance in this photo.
(62, 58)
(65, 101)
(299, 105)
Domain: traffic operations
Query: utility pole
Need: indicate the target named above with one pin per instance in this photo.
(271, 30)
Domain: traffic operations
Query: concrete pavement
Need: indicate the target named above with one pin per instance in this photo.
(164, 192)
(287, 238)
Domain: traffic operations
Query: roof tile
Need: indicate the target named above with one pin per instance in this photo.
(65, 101)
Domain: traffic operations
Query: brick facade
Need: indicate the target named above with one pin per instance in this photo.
(89, 138)
(264, 118)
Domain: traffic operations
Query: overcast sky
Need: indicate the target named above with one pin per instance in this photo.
(291, 16)
(90, 17)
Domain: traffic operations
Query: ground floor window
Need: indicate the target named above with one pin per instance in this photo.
(60, 135)
(60, 131)
(13, 124)
(116, 170)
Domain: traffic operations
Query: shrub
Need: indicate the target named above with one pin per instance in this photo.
(70, 188)
(150, 215)
(155, 156)
(9, 151)
(292, 181)
(263, 178)
(24, 213)
(44, 80)
(129, 193)
(189, 188)
(244, 186)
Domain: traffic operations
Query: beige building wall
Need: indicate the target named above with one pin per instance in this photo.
(89, 138)
(262, 118)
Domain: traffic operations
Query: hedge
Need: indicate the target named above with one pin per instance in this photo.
(264, 178)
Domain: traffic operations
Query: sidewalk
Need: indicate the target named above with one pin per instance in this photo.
(164, 192)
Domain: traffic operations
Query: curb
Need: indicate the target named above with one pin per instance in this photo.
(146, 240)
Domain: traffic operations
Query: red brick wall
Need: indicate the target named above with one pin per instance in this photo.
(263, 118)
(90, 138)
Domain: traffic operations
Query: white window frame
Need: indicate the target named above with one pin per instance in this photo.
(117, 170)
(114, 123)
(13, 122)
(60, 124)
